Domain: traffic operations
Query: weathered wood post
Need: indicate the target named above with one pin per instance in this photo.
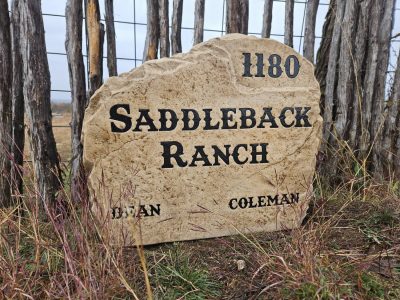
(153, 31)
(164, 28)
(396, 121)
(176, 43)
(37, 101)
(244, 16)
(345, 78)
(199, 8)
(385, 19)
(309, 31)
(353, 82)
(331, 72)
(289, 11)
(73, 46)
(95, 35)
(237, 16)
(18, 109)
(359, 59)
(111, 47)
(5, 105)
(267, 18)
(391, 131)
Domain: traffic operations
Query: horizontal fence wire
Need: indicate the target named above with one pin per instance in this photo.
(222, 31)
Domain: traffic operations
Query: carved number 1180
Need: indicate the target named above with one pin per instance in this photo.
(275, 69)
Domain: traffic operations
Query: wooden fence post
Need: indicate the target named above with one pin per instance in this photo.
(289, 10)
(232, 16)
(5, 105)
(237, 16)
(164, 28)
(111, 47)
(267, 18)
(73, 46)
(94, 34)
(244, 16)
(370, 75)
(396, 120)
(359, 58)
(153, 31)
(391, 131)
(321, 67)
(37, 101)
(18, 110)
(199, 8)
(176, 43)
(331, 73)
(346, 70)
(386, 19)
(309, 31)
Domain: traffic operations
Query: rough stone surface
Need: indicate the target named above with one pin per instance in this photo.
(125, 169)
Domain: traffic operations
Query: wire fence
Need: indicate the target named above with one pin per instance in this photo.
(130, 27)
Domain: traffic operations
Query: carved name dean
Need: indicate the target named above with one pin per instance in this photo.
(204, 144)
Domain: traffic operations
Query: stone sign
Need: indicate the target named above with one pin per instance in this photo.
(219, 141)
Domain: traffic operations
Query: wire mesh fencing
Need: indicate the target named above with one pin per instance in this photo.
(130, 33)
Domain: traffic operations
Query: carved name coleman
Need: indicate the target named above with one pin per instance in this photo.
(123, 120)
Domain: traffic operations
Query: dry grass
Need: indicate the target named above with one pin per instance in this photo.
(348, 248)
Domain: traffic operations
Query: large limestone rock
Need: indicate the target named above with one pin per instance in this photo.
(253, 172)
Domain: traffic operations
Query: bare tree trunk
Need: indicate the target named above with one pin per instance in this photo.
(73, 46)
(5, 105)
(37, 101)
(309, 32)
(289, 10)
(331, 74)
(164, 28)
(198, 21)
(267, 19)
(153, 31)
(111, 48)
(176, 43)
(346, 70)
(94, 34)
(18, 103)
